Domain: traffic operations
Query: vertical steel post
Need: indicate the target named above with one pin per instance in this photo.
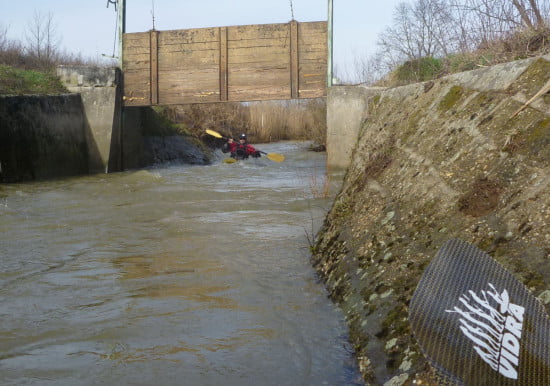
(329, 45)
(121, 4)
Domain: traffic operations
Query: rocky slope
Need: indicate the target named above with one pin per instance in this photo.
(435, 161)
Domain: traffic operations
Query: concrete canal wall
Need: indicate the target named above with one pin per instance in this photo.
(48, 136)
(84, 132)
(432, 162)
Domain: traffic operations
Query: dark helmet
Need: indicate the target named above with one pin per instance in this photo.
(242, 136)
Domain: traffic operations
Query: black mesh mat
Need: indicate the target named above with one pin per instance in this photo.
(477, 324)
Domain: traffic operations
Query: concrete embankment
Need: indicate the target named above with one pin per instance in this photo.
(431, 162)
(49, 136)
(84, 132)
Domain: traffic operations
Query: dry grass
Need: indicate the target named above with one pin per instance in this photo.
(320, 186)
(265, 121)
(222, 117)
(293, 119)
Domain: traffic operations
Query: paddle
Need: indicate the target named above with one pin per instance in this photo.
(273, 156)
(276, 157)
(476, 323)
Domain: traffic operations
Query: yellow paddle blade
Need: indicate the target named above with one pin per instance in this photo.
(214, 133)
(229, 160)
(275, 157)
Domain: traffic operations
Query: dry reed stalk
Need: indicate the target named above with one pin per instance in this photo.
(264, 121)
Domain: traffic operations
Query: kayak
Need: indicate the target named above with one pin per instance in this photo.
(276, 157)
(233, 160)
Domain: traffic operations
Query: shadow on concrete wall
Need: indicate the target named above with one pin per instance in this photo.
(44, 137)
(148, 138)
(94, 155)
(116, 154)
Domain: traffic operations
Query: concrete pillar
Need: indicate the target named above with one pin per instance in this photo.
(98, 87)
(347, 108)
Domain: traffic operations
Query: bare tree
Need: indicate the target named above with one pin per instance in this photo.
(523, 12)
(532, 16)
(419, 30)
(439, 28)
(368, 69)
(538, 12)
(481, 21)
(530, 13)
(11, 51)
(3, 38)
(397, 39)
(42, 39)
(433, 21)
(498, 17)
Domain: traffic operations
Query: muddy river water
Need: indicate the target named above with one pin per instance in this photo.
(174, 275)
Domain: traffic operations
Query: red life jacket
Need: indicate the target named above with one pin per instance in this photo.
(232, 146)
(242, 150)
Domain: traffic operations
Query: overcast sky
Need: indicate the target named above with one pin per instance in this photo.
(88, 26)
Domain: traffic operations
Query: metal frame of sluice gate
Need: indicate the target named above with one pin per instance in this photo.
(226, 64)
(305, 67)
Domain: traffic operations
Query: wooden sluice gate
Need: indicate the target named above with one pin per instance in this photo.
(225, 64)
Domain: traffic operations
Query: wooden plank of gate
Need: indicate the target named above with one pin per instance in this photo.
(223, 64)
(312, 55)
(189, 65)
(154, 72)
(259, 62)
(136, 69)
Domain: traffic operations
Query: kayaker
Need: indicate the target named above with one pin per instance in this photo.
(241, 149)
